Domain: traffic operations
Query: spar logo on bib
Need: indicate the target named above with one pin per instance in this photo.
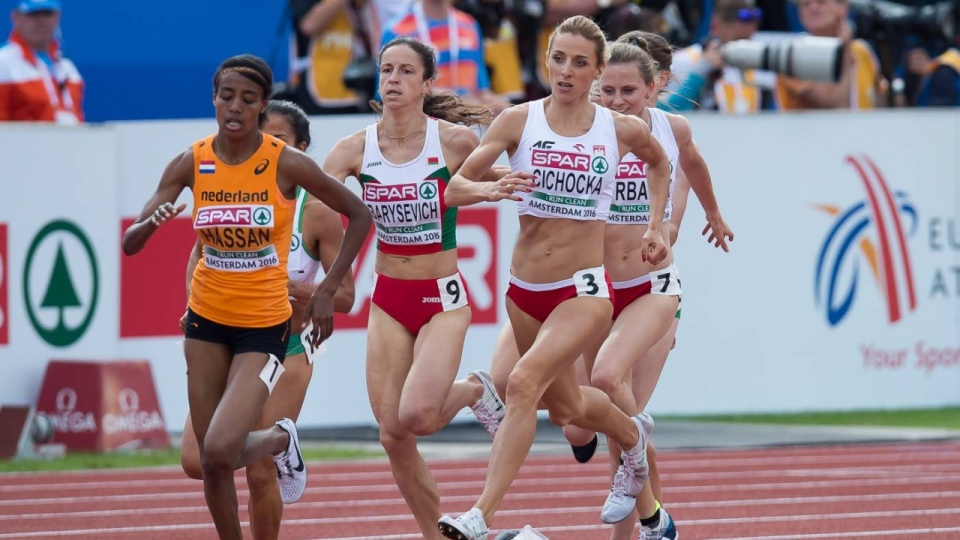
(599, 165)
(632, 170)
(476, 258)
(561, 160)
(254, 215)
(373, 192)
(869, 233)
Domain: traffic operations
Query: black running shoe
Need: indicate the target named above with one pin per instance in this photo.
(584, 453)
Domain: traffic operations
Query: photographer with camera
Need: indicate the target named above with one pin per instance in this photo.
(326, 42)
(861, 85)
(939, 77)
(706, 81)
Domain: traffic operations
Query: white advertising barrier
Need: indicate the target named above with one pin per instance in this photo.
(840, 291)
(58, 252)
(841, 287)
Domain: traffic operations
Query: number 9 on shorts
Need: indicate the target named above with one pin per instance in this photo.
(453, 294)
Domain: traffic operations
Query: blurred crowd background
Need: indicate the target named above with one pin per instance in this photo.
(70, 61)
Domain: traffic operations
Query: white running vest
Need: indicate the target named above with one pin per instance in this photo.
(631, 200)
(301, 266)
(406, 199)
(575, 175)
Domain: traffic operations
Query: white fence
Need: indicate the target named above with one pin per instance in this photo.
(841, 290)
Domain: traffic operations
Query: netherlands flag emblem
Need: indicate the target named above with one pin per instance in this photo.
(433, 161)
(207, 167)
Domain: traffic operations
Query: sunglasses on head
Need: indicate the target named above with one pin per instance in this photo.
(744, 15)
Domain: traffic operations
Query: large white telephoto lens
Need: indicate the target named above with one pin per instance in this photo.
(809, 58)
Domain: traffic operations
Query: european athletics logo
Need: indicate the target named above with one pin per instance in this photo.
(870, 231)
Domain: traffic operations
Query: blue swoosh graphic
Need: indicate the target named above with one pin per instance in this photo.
(837, 310)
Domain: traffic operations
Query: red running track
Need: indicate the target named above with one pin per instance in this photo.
(830, 492)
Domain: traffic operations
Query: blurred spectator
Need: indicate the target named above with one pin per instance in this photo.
(861, 85)
(503, 62)
(458, 39)
(36, 82)
(706, 82)
(382, 14)
(939, 77)
(500, 46)
(328, 35)
(558, 10)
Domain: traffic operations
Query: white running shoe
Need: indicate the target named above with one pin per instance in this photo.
(635, 459)
(489, 409)
(291, 470)
(665, 530)
(526, 533)
(630, 477)
(622, 498)
(469, 526)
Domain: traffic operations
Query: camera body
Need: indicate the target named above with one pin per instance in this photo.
(360, 76)
(930, 22)
(488, 13)
(892, 28)
(810, 58)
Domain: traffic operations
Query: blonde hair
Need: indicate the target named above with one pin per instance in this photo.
(658, 47)
(634, 52)
(578, 25)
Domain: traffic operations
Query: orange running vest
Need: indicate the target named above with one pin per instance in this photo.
(244, 225)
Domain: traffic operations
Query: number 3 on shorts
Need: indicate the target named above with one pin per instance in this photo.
(452, 293)
(591, 282)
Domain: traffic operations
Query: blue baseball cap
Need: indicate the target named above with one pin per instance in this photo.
(32, 6)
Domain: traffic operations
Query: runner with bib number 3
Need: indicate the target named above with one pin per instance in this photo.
(563, 152)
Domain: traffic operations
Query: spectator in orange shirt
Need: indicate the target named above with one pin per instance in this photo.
(458, 40)
(860, 85)
(36, 82)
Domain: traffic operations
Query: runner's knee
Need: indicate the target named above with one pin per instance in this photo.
(261, 475)
(397, 441)
(523, 389)
(419, 419)
(605, 381)
(190, 462)
(219, 458)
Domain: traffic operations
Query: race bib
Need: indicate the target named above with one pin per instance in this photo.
(591, 282)
(665, 281)
(453, 295)
(312, 352)
(406, 214)
(240, 261)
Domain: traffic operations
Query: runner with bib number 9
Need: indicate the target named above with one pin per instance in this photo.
(244, 186)
(420, 309)
(563, 151)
